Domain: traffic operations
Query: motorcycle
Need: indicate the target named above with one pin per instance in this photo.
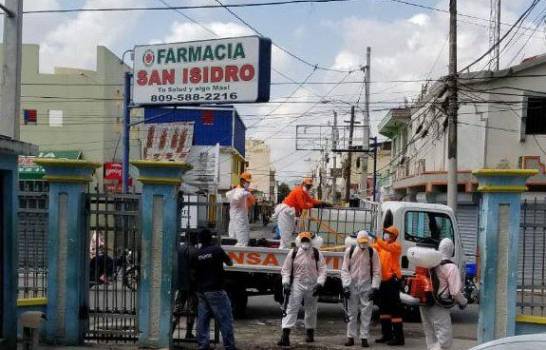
(104, 269)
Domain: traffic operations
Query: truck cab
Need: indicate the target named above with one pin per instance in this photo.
(422, 224)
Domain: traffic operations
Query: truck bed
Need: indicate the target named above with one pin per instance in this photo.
(270, 260)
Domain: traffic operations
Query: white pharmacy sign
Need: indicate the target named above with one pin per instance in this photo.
(231, 70)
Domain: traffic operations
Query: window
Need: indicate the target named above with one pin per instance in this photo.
(428, 227)
(55, 118)
(30, 116)
(536, 116)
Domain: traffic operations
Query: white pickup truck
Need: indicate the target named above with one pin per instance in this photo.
(256, 269)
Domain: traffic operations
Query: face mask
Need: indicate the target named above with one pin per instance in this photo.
(305, 189)
(362, 245)
(246, 185)
(386, 236)
(306, 245)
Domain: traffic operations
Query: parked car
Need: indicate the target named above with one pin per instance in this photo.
(520, 342)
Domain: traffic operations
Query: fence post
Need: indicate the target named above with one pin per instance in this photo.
(160, 222)
(499, 238)
(67, 247)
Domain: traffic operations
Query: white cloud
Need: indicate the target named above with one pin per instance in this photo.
(73, 42)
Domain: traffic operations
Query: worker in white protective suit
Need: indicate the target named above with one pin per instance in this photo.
(436, 318)
(360, 277)
(240, 201)
(292, 207)
(303, 275)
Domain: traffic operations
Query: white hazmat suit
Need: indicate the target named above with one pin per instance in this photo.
(355, 274)
(239, 226)
(286, 220)
(308, 272)
(437, 319)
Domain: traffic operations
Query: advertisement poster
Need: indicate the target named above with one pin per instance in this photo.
(168, 141)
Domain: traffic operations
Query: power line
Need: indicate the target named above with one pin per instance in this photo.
(289, 53)
(194, 7)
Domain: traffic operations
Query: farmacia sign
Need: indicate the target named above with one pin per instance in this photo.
(231, 70)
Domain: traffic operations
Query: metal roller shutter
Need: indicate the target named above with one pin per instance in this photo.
(467, 220)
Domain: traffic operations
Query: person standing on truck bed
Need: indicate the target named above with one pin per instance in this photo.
(390, 307)
(240, 202)
(292, 206)
(213, 299)
(303, 276)
(360, 277)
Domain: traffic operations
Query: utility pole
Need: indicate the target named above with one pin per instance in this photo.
(374, 190)
(494, 31)
(366, 126)
(10, 103)
(452, 109)
(126, 131)
(335, 136)
(321, 163)
(349, 157)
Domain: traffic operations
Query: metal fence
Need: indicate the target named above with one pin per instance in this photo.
(32, 239)
(532, 258)
(114, 253)
(334, 224)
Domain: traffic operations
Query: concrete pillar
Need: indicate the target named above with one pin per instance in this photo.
(499, 238)
(68, 257)
(8, 246)
(160, 221)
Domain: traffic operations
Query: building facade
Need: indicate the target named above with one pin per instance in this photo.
(501, 124)
(74, 110)
(258, 159)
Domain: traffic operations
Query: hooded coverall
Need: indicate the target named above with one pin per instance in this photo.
(286, 212)
(307, 274)
(355, 273)
(437, 319)
(240, 201)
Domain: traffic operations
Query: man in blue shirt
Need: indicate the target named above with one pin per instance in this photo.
(214, 302)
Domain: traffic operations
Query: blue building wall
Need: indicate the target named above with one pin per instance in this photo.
(206, 133)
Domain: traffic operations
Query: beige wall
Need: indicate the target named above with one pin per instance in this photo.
(258, 156)
(91, 103)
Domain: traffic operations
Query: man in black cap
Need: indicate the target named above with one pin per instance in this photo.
(213, 299)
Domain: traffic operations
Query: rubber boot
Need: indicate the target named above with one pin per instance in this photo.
(350, 342)
(386, 331)
(285, 338)
(364, 343)
(398, 338)
(310, 336)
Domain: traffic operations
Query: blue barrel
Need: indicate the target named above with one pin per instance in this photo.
(470, 269)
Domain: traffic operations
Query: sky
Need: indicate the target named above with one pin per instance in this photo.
(407, 43)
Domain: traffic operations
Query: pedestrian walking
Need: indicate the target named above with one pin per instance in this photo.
(186, 298)
(448, 288)
(303, 275)
(293, 205)
(213, 299)
(361, 278)
(390, 307)
(240, 202)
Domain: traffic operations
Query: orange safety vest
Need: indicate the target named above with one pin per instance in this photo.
(389, 255)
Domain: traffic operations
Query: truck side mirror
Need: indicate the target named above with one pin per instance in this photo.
(405, 262)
